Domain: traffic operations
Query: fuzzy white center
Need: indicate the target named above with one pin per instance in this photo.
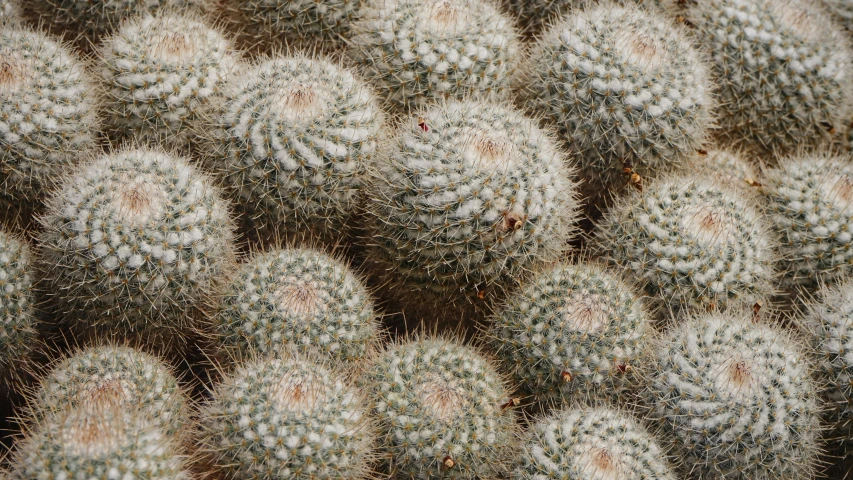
(139, 201)
(487, 151)
(735, 378)
(302, 101)
(299, 297)
(586, 313)
(298, 392)
(841, 192)
(94, 427)
(805, 23)
(639, 49)
(446, 17)
(443, 401)
(174, 47)
(600, 464)
(708, 224)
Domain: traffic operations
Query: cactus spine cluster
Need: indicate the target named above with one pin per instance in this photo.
(730, 167)
(17, 304)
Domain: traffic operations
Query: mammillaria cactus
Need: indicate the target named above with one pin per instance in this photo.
(736, 398)
(10, 12)
(17, 304)
(419, 51)
(132, 240)
(572, 331)
(293, 142)
(444, 411)
(287, 418)
(692, 243)
(591, 443)
(625, 88)
(536, 14)
(730, 167)
(843, 11)
(783, 70)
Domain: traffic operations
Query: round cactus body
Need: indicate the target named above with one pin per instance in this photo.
(469, 197)
(625, 88)
(17, 303)
(419, 51)
(162, 76)
(133, 239)
(287, 419)
(572, 331)
(293, 141)
(299, 298)
(591, 443)
(729, 167)
(692, 243)
(782, 71)
(443, 411)
(736, 398)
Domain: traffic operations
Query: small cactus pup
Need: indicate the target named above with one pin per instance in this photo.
(298, 298)
(783, 71)
(572, 332)
(131, 241)
(625, 89)
(17, 305)
(736, 398)
(292, 142)
(692, 243)
(420, 51)
(444, 411)
(162, 75)
(48, 116)
(469, 197)
(287, 418)
(591, 443)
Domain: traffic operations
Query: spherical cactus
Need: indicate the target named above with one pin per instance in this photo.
(293, 141)
(692, 243)
(625, 88)
(736, 398)
(133, 379)
(587, 443)
(300, 298)
(782, 71)
(729, 167)
(470, 196)
(419, 51)
(572, 332)
(132, 240)
(17, 304)
(48, 115)
(163, 75)
(290, 418)
(443, 411)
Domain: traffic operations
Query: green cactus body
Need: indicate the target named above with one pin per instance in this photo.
(132, 240)
(692, 243)
(591, 443)
(782, 70)
(443, 411)
(419, 51)
(293, 141)
(300, 298)
(736, 398)
(572, 332)
(17, 304)
(163, 75)
(625, 88)
(287, 419)
(470, 196)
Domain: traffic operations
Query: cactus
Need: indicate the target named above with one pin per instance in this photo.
(10, 12)
(287, 418)
(470, 196)
(299, 298)
(729, 167)
(591, 443)
(443, 411)
(782, 69)
(843, 11)
(17, 304)
(692, 243)
(572, 331)
(736, 398)
(163, 76)
(132, 240)
(293, 141)
(419, 51)
(535, 15)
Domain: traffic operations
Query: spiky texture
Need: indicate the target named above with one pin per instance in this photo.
(469, 197)
(534, 15)
(736, 398)
(17, 304)
(132, 240)
(843, 11)
(443, 411)
(782, 71)
(625, 88)
(572, 332)
(48, 115)
(162, 75)
(809, 199)
(287, 418)
(293, 141)
(300, 298)
(692, 243)
(419, 51)
(10, 12)
(591, 443)
(133, 379)
(730, 167)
